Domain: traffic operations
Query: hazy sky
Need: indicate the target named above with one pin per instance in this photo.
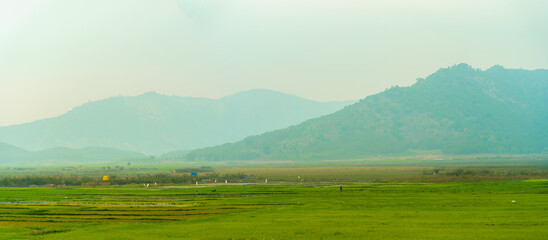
(55, 55)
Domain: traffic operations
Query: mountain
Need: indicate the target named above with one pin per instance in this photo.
(9, 153)
(153, 123)
(85, 155)
(17, 156)
(458, 110)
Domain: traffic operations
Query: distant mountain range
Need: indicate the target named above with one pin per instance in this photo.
(60, 155)
(152, 123)
(457, 110)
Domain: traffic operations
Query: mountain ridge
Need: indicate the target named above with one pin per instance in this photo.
(154, 123)
(458, 110)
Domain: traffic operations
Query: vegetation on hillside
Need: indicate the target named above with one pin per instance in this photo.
(458, 110)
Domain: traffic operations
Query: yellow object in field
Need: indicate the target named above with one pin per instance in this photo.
(105, 178)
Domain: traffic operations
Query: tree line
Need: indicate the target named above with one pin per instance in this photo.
(75, 180)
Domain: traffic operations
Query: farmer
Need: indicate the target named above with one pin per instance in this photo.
(340, 187)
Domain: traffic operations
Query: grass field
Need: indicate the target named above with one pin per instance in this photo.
(399, 210)
(477, 198)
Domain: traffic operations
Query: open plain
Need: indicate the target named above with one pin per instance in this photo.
(299, 202)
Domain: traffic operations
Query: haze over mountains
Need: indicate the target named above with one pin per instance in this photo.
(457, 110)
(11, 155)
(152, 123)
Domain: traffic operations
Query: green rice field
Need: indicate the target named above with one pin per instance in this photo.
(516, 209)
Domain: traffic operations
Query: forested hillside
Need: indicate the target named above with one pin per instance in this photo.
(458, 110)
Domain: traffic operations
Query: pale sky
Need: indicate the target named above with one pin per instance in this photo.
(58, 54)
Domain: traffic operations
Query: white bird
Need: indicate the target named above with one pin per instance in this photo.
(513, 201)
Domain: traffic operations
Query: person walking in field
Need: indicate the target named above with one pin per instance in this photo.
(340, 187)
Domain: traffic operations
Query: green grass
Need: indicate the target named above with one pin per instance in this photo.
(453, 210)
